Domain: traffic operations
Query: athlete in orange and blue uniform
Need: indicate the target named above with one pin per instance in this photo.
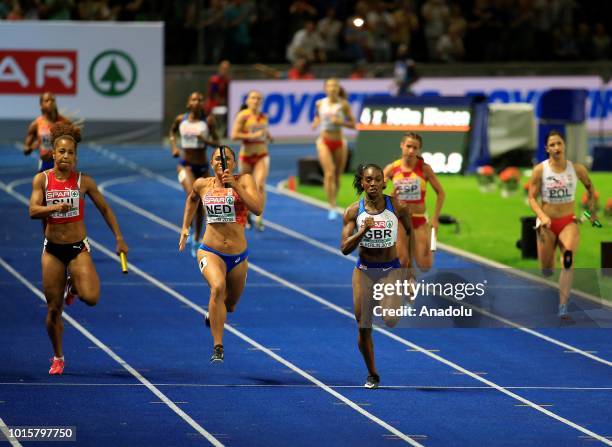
(38, 136)
(58, 196)
(251, 128)
(410, 175)
(223, 254)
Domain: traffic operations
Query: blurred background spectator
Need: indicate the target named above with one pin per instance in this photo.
(207, 31)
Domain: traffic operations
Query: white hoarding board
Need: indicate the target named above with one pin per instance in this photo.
(527, 89)
(99, 70)
(290, 104)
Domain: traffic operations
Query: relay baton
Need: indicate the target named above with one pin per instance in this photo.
(123, 258)
(433, 239)
(595, 223)
(223, 162)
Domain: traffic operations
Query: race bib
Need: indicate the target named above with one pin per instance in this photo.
(379, 236)
(409, 188)
(69, 196)
(219, 206)
(559, 190)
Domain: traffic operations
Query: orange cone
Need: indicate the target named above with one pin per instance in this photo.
(291, 183)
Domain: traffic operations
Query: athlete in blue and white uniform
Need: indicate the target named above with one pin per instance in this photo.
(196, 131)
(372, 225)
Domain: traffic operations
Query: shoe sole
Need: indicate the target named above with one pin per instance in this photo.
(216, 361)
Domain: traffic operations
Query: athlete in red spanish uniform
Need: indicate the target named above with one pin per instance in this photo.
(251, 128)
(223, 254)
(58, 196)
(410, 175)
(197, 131)
(555, 181)
(38, 136)
(332, 113)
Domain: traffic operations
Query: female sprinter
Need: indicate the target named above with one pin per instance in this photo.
(38, 136)
(196, 132)
(332, 112)
(410, 175)
(251, 128)
(223, 254)
(58, 196)
(555, 181)
(372, 223)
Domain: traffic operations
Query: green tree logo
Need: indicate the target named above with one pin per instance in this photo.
(112, 73)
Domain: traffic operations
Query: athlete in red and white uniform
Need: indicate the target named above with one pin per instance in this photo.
(555, 181)
(38, 136)
(251, 128)
(223, 254)
(58, 196)
(410, 175)
(332, 113)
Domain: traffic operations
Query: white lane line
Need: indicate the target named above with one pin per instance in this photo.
(458, 252)
(303, 385)
(5, 431)
(338, 309)
(201, 310)
(116, 358)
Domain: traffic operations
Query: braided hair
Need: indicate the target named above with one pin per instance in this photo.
(359, 172)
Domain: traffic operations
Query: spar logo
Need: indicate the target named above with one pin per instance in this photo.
(113, 73)
(36, 71)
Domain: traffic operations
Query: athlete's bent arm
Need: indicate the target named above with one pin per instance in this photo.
(534, 190)
(37, 209)
(403, 215)
(173, 130)
(350, 238)
(91, 189)
(317, 119)
(30, 139)
(350, 119)
(246, 188)
(212, 127)
(583, 175)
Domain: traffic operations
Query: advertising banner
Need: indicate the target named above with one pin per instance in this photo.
(291, 104)
(99, 71)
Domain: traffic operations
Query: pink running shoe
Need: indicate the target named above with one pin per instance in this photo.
(57, 367)
(69, 295)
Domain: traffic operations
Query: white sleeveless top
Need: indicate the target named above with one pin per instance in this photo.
(558, 188)
(190, 130)
(384, 232)
(327, 111)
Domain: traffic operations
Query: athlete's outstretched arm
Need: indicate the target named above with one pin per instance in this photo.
(440, 194)
(91, 189)
(191, 205)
